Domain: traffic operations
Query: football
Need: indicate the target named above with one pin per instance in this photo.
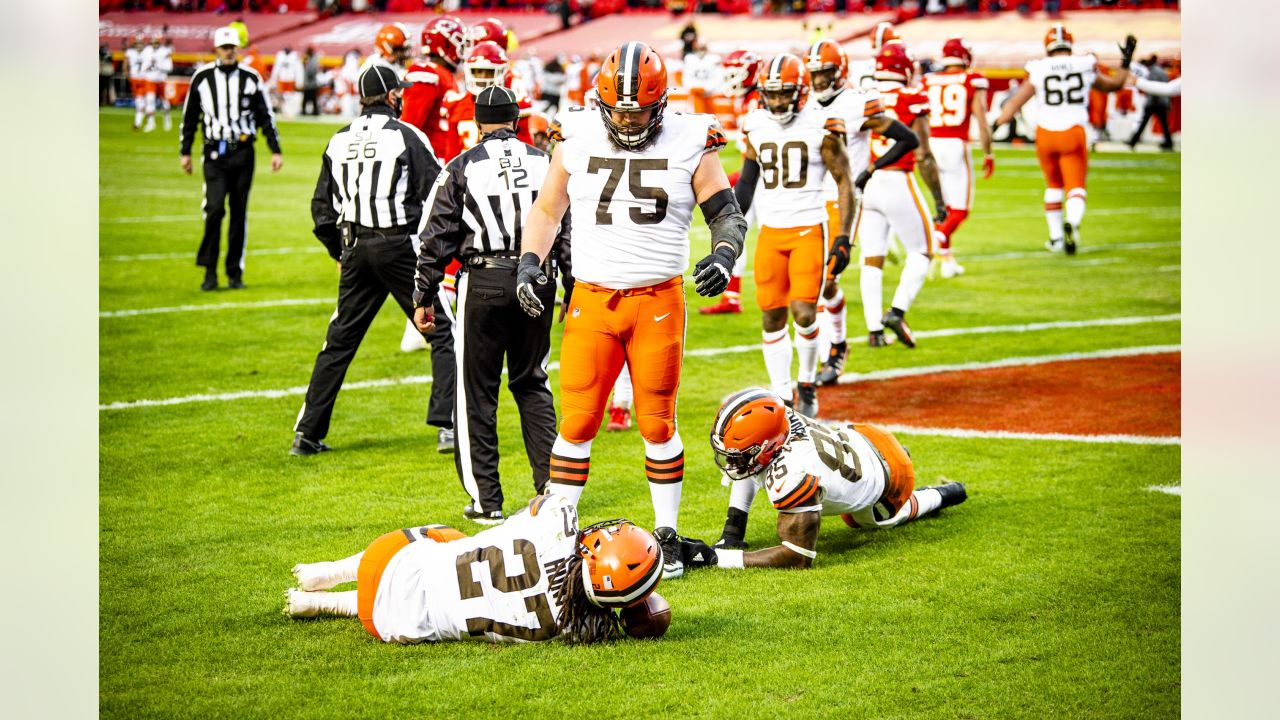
(647, 619)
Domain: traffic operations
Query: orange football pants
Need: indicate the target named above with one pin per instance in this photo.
(643, 327)
(1064, 157)
(790, 265)
(372, 563)
(901, 480)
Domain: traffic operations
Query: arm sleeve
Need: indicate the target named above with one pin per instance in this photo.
(440, 231)
(563, 247)
(745, 190)
(323, 211)
(904, 141)
(265, 119)
(190, 115)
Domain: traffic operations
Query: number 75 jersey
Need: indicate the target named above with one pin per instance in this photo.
(1062, 86)
(831, 469)
(632, 209)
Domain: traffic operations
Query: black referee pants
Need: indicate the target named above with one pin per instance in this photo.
(492, 326)
(227, 178)
(372, 267)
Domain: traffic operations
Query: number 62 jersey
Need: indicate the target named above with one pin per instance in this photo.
(499, 585)
(1062, 86)
(830, 469)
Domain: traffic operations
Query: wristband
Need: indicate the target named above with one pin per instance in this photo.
(811, 554)
(731, 559)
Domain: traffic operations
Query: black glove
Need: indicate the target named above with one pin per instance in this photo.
(941, 217)
(1127, 49)
(528, 274)
(840, 252)
(696, 553)
(861, 182)
(712, 272)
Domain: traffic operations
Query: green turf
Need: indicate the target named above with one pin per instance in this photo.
(1054, 592)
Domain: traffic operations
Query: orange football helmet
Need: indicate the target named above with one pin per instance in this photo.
(633, 81)
(883, 35)
(894, 62)
(1058, 38)
(750, 428)
(784, 87)
(826, 57)
(487, 65)
(741, 72)
(956, 51)
(392, 42)
(622, 563)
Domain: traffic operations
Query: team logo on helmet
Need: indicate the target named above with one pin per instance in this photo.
(486, 66)
(741, 72)
(894, 62)
(445, 37)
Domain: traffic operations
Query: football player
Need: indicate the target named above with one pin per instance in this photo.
(632, 173)
(161, 67)
(791, 148)
(860, 108)
(392, 49)
(740, 73)
(1060, 84)
(433, 77)
(486, 65)
(494, 31)
(809, 470)
(535, 577)
(892, 200)
(956, 96)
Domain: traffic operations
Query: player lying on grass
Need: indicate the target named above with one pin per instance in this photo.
(859, 472)
(535, 577)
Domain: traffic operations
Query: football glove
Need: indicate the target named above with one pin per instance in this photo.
(696, 553)
(528, 274)
(567, 282)
(712, 272)
(988, 166)
(840, 251)
(941, 217)
(1127, 49)
(861, 181)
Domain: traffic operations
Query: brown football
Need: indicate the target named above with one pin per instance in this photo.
(647, 619)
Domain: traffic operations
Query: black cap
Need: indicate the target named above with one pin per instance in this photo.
(496, 104)
(379, 80)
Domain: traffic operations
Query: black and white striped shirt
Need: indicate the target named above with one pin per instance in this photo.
(230, 104)
(376, 173)
(479, 205)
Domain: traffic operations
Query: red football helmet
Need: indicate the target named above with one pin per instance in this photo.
(632, 81)
(749, 430)
(392, 42)
(491, 30)
(741, 72)
(883, 35)
(826, 56)
(1058, 38)
(784, 87)
(445, 37)
(487, 65)
(894, 62)
(622, 563)
(956, 51)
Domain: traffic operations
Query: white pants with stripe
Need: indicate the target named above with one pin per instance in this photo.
(892, 201)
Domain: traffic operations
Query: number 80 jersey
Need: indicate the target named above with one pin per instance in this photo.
(1062, 86)
(831, 469)
(632, 210)
(790, 192)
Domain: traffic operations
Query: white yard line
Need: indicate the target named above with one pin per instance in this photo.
(1051, 437)
(713, 352)
(1095, 261)
(1169, 268)
(189, 217)
(191, 255)
(893, 373)
(1052, 325)
(215, 306)
(1167, 489)
(1086, 249)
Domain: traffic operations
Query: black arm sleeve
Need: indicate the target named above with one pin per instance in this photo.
(725, 220)
(441, 233)
(323, 214)
(745, 190)
(265, 119)
(563, 247)
(905, 140)
(191, 114)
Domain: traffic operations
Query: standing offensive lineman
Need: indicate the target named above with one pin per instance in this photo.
(1061, 82)
(956, 96)
(631, 172)
(369, 209)
(229, 101)
(476, 211)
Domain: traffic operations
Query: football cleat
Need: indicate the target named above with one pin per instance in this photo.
(672, 556)
(896, 320)
(726, 306)
(831, 369)
(953, 493)
(949, 267)
(412, 340)
(493, 517)
(235, 283)
(303, 446)
(876, 339)
(1053, 246)
(807, 399)
(446, 442)
(316, 576)
(1069, 242)
(619, 419)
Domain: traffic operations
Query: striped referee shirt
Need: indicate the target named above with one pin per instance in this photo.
(376, 173)
(230, 104)
(479, 205)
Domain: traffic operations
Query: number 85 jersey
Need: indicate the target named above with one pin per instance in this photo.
(632, 209)
(831, 469)
(1062, 86)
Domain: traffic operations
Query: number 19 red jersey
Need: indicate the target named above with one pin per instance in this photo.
(951, 94)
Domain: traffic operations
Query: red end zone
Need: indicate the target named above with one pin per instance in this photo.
(1137, 395)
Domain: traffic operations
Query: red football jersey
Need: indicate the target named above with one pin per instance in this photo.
(951, 94)
(906, 104)
(460, 113)
(424, 102)
(746, 103)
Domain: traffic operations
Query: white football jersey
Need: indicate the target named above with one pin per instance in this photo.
(855, 105)
(831, 469)
(133, 61)
(161, 63)
(146, 62)
(862, 73)
(1062, 89)
(791, 167)
(499, 585)
(632, 210)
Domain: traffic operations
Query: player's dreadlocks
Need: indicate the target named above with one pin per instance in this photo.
(582, 621)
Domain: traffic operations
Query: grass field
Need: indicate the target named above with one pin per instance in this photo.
(1054, 592)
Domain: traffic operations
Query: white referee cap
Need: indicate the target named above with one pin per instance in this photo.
(226, 36)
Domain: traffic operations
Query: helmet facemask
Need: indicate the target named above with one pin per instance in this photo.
(634, 136)
(830, 75)
(741, 464)
(782, 102)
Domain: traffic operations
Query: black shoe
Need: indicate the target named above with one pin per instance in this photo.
(492, 517)
(235, 283)
(953, 493)
(896, 320)
(445, 443)
(672, 557)
(834, 365)
(303, 445)
(876, 339)
(210, 281)
(1069, 239)
(807, 399)
(728, 543)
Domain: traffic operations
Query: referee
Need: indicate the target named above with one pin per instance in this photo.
(476, 212)
(368, 210)
(229, 101)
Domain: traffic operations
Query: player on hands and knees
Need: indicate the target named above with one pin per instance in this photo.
(433, 583)
(632, 173)
(892, 199)
(1060, 83)
(791, 147)
(956, 96)
(859, 472)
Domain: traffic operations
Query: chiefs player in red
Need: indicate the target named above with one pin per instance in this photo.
(956, 96)
(492, 30)
(444, 42)
(486, 65)
(741, 83)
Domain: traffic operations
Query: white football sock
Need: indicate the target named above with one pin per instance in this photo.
(742, 494)
(622, 392)
(871, 280)
(665, 495)
(913, 274)
(777, 361)
(1053, 212)
(1075, 206)
(824, 323)
(807, 351)
(303, 604)
(572, 452)
(324, 575)
(833, 318)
